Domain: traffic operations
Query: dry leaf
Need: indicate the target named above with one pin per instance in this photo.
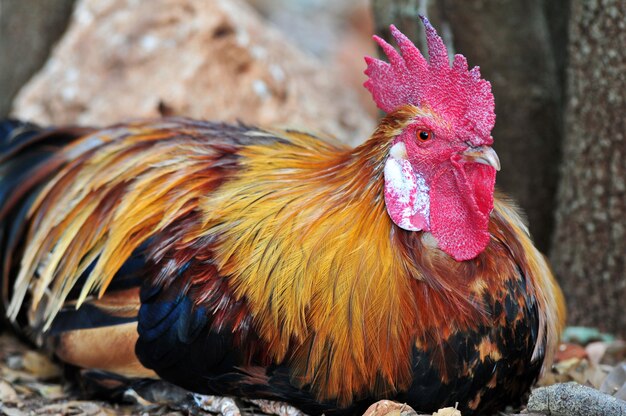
(7, 393)
(22, 390)
(48, 391)
(448, 411)
(132, 396)
(277, 408)
(14, 362)
(40, 366)
(595, 351)
(569, 351)
(615, 381)
(12, 411)
(389, 408)
(224, 406)
(83, 408)
(615, 352)
(567, 367)
(581, 371)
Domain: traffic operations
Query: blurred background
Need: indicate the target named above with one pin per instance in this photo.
(558, 70)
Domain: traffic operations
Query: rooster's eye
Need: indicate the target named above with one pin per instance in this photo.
(424, 135)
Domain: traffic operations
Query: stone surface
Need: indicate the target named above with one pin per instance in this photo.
(572, 399)
(337, 32)
(123, 59)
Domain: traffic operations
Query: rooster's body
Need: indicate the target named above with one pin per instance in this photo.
(270, 264)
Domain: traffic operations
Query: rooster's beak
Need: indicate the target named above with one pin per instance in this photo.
(483, 154)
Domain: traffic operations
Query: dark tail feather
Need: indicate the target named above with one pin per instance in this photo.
(15, 134)
(28, 158)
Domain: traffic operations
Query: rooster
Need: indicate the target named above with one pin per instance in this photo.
(271, 264)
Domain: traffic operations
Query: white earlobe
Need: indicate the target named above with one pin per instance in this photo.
(406, 192)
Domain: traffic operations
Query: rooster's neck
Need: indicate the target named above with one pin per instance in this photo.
(368, 159)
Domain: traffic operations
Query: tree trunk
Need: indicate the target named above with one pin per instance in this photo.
(511, 42)
(590, 240)
(28, 29)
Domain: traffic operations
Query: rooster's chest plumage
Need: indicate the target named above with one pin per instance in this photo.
(483, 367)
(216, 348)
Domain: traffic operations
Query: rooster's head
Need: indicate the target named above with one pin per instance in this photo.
(440, 170)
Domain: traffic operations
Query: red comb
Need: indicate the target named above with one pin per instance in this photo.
(458, 95)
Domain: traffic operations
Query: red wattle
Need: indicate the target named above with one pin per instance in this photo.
(460, 205)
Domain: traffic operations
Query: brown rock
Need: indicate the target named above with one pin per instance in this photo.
(123, 59)
(339, 33)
